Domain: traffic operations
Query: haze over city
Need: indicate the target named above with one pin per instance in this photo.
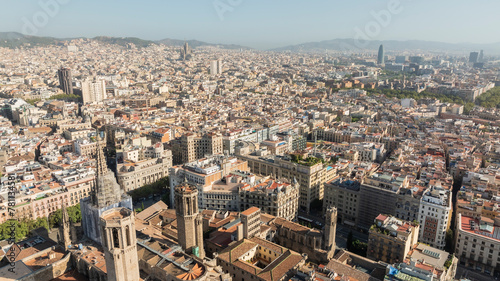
(261, 24)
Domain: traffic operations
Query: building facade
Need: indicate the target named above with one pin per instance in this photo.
(391, 239)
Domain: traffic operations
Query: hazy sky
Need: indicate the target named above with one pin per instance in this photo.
(257, 23)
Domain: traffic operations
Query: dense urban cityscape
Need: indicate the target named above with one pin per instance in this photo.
(126, 159)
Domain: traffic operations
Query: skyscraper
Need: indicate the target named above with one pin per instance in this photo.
(473, 57)
(65, 81)
(105, 195)
(481, 56)
(381, 55)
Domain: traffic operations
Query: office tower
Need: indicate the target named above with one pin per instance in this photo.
(381, 55)
(481, 56)
(65, 81)
(473, 57)
(189, 221)
(93, 91)
(105, 195)
(120, 244)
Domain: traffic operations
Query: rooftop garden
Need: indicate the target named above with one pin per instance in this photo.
(378, 229)
(309, 161)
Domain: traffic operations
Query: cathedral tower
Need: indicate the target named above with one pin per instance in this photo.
(189, 221)
(329, 231)
(106, 194)
(120, 244)
(64, 229)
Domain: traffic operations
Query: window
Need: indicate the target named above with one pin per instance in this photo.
(116, 240)
(127, 233)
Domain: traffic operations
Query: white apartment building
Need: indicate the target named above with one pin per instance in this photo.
(435, 216)
(93, 91)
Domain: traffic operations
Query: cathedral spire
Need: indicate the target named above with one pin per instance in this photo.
(64, 228)
(102, 167)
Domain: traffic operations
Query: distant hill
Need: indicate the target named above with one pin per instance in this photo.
(124, 41)
(15, 39)
(196, 43)
(351, 45)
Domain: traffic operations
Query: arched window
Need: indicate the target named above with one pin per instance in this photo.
(127, 233)
(116, 240)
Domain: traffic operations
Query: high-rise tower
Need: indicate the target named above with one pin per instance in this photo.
(481, 56)
(473, 57)
(106, 194)
(65, 81)
(120, 244)
(189, 221)
(329, 231)
(381, 55)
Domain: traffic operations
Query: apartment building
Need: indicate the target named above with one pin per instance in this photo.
(343, 194)
(310, 175)
(391, 239)
(378, 194)
(203, 173)
(250, 218)
(191, 147)
(435, 216)
(272, 197)
(478, 244)
(132, 175)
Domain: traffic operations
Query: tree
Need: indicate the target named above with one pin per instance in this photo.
(157, 187)
(349, 241)
(74, 213)
(449, 246)
(166, 198)
(55, 218)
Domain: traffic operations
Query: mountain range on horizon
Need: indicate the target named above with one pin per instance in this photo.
(15, 39)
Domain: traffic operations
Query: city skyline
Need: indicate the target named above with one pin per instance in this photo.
(254, 24)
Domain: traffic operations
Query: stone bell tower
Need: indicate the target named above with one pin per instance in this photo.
(329, 231)
(189, 221)
(120, 244)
